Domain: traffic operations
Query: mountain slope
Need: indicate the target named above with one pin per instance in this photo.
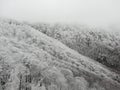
(31, 60)
(98, 44)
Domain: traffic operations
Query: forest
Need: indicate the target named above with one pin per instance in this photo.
(44, 56)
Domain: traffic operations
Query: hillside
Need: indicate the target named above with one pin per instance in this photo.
(98, 44)
(32, 60)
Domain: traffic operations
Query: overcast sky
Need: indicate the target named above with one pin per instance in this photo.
(98, 12)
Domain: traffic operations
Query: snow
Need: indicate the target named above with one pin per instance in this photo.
(31, 59)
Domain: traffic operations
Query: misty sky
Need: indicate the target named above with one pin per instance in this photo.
(98, 12)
